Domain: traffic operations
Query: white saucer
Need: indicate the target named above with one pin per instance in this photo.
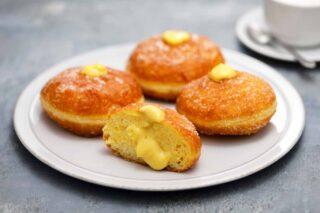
(223, 159)
(256, 15)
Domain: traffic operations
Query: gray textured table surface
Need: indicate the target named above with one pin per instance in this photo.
(34, 34)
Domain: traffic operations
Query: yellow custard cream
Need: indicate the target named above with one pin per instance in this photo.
(147, 148)
(153, 113)
(175, 37)
(150, 151)
(94, 70)
(222, 71)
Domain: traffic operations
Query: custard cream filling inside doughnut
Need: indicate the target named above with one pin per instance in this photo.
(237, 121)
(145, 145)
(87, 120)
(153, 113)
(149, 138)
(147, 148)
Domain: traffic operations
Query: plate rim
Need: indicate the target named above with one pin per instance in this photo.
(142, 186)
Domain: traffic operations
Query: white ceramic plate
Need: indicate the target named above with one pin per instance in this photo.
(274, 51)
(223, 159)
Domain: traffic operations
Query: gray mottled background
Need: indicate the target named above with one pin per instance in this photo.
(35, 34)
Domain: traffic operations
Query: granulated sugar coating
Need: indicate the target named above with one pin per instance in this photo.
(162, 69)
(155, 60)
(73, 92)
(239, 105)
(81, 103)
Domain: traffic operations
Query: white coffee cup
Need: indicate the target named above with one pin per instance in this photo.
(294, 22)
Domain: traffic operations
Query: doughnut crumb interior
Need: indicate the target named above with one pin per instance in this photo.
(153, 135)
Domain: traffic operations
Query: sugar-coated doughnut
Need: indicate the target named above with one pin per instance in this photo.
(81, 98)
(228, 102)
(163, 64)
(153, 135)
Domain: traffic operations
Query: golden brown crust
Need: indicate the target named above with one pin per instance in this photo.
(242, 128)
(79, 103)
(76, 93)
(181, 124)
(239, 98)
(186, 128)
(154, 60)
